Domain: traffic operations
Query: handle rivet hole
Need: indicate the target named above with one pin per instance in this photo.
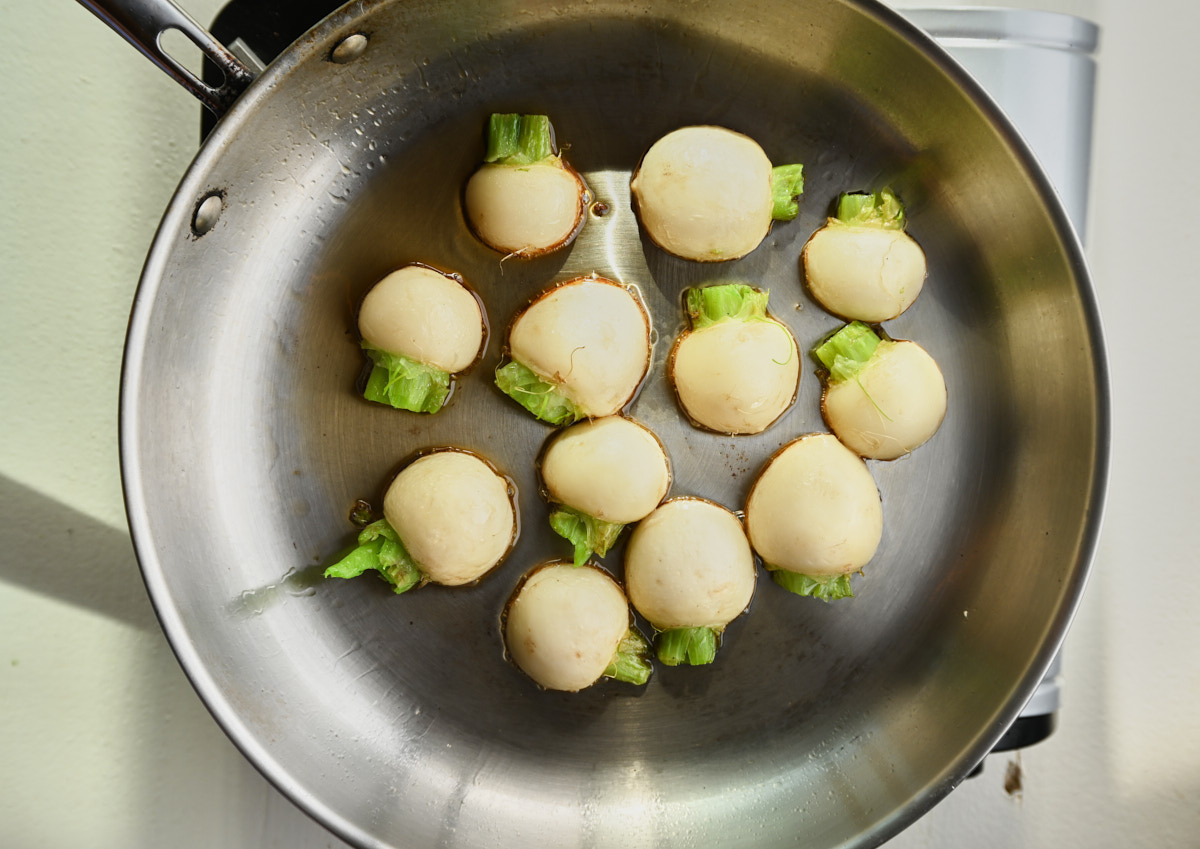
(349, 49)
(208, 210)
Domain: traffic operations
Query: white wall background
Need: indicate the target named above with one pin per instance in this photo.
(104, 744)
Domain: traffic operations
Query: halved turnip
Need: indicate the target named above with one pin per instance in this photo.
(449, 518)
(525, 200)
(737, 370)
(710, 194)
(580, 350)
(567, 626)
(690, 571)
(814, 516)
(882, 398)
(861, 264)
(603, 474)
(419, 327)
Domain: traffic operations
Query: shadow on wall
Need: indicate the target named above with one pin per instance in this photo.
(55, 550)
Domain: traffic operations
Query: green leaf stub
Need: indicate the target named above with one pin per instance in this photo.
(688, 646)
(880, 209)
(379, 548)
(631, 663)
(846, 352)
(518, 139)
(787, 184)
(826, 588)
(587, 533)
(404, 383)
(543, 399)
(708, 305)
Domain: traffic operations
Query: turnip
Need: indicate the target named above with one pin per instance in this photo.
(737, 369)
(814, 516)
(567, 626)
(419, 327)
(602, 475)
(580, 350)
(690, 571)
(449, 518)
(710, 194)
(882, 398)
(861, 264)
(525, 200)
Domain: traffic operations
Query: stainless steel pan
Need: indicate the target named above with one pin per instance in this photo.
(396, 721)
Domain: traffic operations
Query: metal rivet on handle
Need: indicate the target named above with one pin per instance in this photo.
(207, 213)
(350, 48)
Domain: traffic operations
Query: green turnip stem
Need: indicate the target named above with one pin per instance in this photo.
(847, 351)
(587, 533)
(872, 209)
(631, 663)
(691, 646)
(379, 548)
(404, 383)
(519, 139)
(707, 305)
(787, 184)
(543, 399)
(826, 587)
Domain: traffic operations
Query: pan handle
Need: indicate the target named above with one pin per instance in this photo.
(143, 22)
